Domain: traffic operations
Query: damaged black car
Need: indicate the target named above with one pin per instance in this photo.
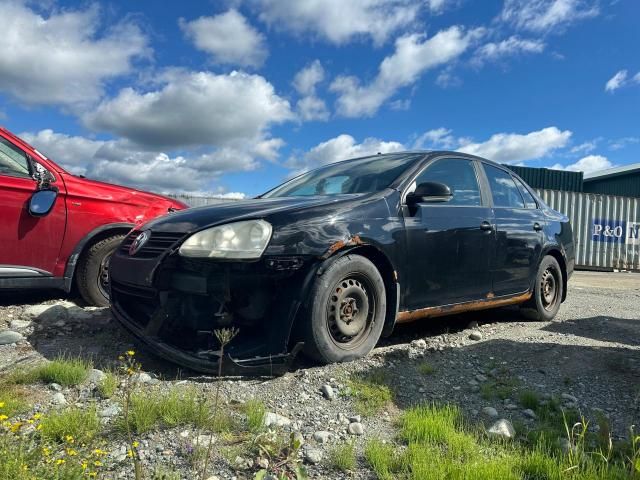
(332, 260)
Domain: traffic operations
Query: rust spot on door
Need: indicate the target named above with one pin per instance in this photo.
(340, 244)
(430, 312)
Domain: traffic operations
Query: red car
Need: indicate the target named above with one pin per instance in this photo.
(58, 229)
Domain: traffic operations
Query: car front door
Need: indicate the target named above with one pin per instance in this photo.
(519, 233)
(450, 243)
(29, 246)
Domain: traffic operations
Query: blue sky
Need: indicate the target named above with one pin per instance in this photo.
(232, 97)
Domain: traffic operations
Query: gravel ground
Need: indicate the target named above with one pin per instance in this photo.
(589, 356)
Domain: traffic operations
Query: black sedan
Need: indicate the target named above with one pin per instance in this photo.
(330, 261)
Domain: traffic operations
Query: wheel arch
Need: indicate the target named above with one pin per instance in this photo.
(557, 254)
(94, 236)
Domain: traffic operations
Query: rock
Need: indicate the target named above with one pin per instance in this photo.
(472, 325)
(8, 337)
(419, 344)
(55, 387)
(78, 314)
(530, 413)
(96, 376)
(276, 420)
(202, 441)
(511, 406)
(298, 439)
(481, 378)
(355, 428)
(475, 335)
(58, 399)
(47, 313)
(143, 377)
(322, 436)
(312, 455)
(213, 477)
(355, 418)
(241, 463)
(19, 324)
(328, 392)
(502, 429)
(262, 463)
(568, 398)
(490, 412)
(110, 410)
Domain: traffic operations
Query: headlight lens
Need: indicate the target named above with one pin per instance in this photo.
(243, 240)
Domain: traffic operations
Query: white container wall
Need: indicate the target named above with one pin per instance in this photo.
(606, 228)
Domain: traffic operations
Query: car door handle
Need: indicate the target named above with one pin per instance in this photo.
(537, 227)
(486, 226)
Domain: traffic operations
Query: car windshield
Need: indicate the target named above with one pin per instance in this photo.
(362, 175)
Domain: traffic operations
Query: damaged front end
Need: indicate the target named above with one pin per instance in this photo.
(175, 304)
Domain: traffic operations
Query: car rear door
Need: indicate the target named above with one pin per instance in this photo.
(29, 246)
(519, 232)
(450, 244)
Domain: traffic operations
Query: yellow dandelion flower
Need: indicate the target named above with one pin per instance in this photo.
(3, 418)
(37, 416)
(71, 452)
(130, 454)
(135, 444)
(97, 463)
(93, 474)
(39, 426)
(84, 465)
(131, 353)
(16, 426)
(60, 461)
(25, 467)
(2, 404)
(97, 452)
(69, 439)
(46, 452)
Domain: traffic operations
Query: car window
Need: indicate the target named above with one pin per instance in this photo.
(529, 201)
(503, 188)
(459, 175)
(12, 160)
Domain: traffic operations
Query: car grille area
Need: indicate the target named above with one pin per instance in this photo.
(157, 244)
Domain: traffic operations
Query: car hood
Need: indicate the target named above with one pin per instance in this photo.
(197, 218)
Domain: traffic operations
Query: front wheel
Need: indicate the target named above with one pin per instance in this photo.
(347, 308)
(92, 275)
(547, 292)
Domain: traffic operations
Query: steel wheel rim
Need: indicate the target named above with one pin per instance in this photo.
(103, 275)
(350, 312)
(549, 286)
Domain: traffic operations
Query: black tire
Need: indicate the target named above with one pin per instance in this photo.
(92, 273)
(346, 311)
(547, 292)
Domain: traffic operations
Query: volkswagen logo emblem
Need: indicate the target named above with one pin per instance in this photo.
(139, 241)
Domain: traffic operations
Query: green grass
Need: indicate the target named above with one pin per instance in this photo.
(71, 424)
(530, 399)
(436, 443)
(64, 371)
(343, 456)
(371, 393)
(107, 388)
(178, 406)
(426, 368)
(254, 411)
(13, 400)
(499, 388)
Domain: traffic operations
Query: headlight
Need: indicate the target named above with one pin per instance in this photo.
(244, 240)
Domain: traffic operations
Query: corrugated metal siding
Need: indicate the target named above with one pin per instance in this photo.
(618, 214)
(549, 179)
(194, 201)
(627, 185)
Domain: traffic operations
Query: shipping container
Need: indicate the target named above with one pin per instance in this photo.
(606, 228)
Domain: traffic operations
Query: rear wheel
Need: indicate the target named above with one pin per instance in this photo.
(347, 307)
(92, 275)
(547, 292)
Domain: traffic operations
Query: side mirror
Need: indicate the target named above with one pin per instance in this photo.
(430, 192)
(41, 202)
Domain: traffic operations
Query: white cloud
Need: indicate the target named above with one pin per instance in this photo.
(194, 108)
(621, 143)
(339, 148)
(588, 164)
(413, 55)
(339, 21)
(546, 15)
(437, 6)
(447, 79)
(310, 107)
(585, 147)
(120, 161)
(511, 46)
(229, 38)
(514, 147)
(64, 57)
(436, 138)
(617, 81)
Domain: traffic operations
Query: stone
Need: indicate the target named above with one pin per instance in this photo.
(530, 414)
(58, 399)
(20, 324)
(242, 463)
(276, 420)
(312, 455)
(490, 412)
(298, 439)
(327, 392)
(322, 436)
(355, 418)
(143, 377)
(355, 428)
(419, 344)
(110, 410)
(8, 337)
(568, 398)
(47, 313)
(475, 335)
(502, 429)
(481, 378)
(472, 325)
(262, 463)
(203, 440)
(55, 387)
(95, 376)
